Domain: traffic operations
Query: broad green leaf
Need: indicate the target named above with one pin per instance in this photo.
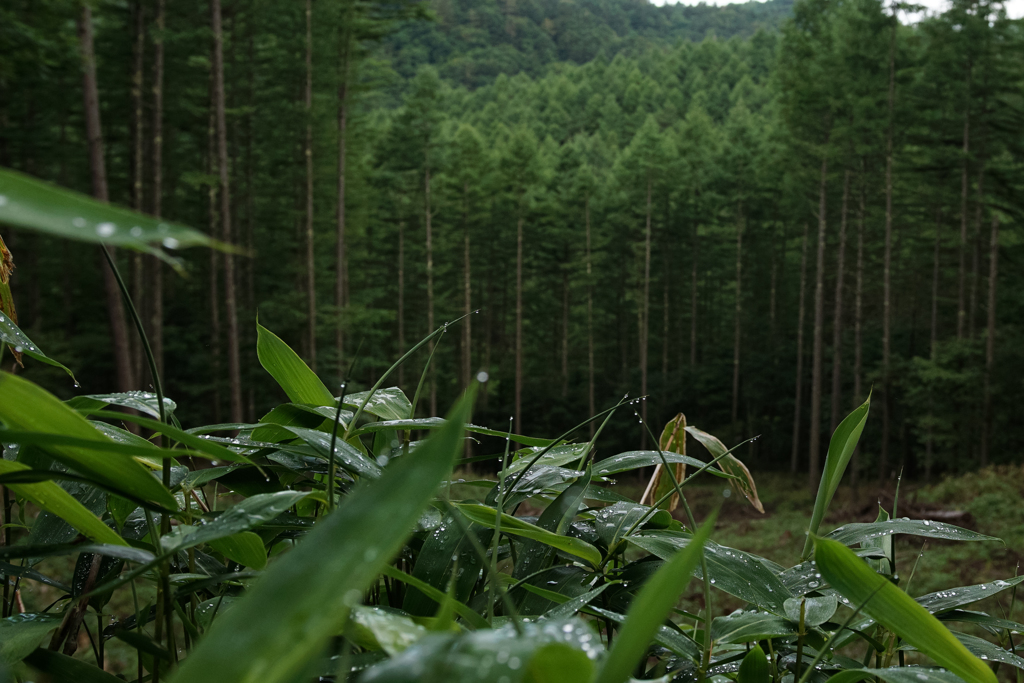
(897, 674)
(556, 518)
(571, 607)
(22, 633)
(64, 669)
(245, 548)
(817, 610)
(632, 460)
(390, 403)
(555, 457)
(244, 516)
(733, 571)
(840, 450)
(669, 638)
(848, 534)
(614, 521)
(754, 667)
(381, 629)
(741, 480)
(124, 552)
(984, 650)
(314, 585)
(299, 382)
(471, 617)
(940, 601)
(19, 342)
(496, 655)
(142, 401)
(651, 608)
(897, 611)
(486, 516)
(27, 407)
(444, 548)
(32, 204)
(991, 624)
(205, 447)
(55, 500)
(746, 627)
(345, 455)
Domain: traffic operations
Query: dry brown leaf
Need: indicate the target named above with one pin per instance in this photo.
(730, 464)
(673, 440)
(6, 299)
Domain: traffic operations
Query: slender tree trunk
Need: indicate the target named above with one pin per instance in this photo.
(137, 158)
(215, 327)
(961, 310)
(310, 257)
(645, 309)
(565, 331)
(401, 300)
(837, 319)
(990, 339)
(801, 312)
(98, 171)
(590, 317)
(979, 208)
(737, 332)
(230, 299)
(156, 322)
(519, 318)
(693, 297)
(858, 311)
(814, 442)
(341, 266)
(467, 294)
(933, 338)
(883, 457)
(430, 276)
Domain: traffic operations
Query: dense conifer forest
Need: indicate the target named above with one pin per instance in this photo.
(754, 214)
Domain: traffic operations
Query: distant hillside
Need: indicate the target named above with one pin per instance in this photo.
(472, 41)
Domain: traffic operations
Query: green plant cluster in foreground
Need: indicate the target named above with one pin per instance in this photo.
(348, 552)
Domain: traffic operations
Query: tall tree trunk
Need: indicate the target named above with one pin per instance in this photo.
(137, 166)
(519, 319)
(645, 310)
(430, 276)
(693, 297)
(979, 209)
(215, 326)
(961, 310)
(467, 296)
(310, 257)
(814, 442)
(737, 332)
(565, 331)
(98, 170)
(883, 458)
(230, 300)
(837, 319)
(801, 311)
(156, 320)
(990, 339)
(933, 338)
(401, 301)
(858, 310)
(341, 266)
(590, 316)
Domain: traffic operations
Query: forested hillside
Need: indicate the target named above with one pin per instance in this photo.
(756, 229)
(470, 42)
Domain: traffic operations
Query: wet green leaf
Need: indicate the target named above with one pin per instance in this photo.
(848, 534)
(313, 586)
(299, 382)
(22, 633)
(245, 548)
(19, 342)
(897, 611)
(486, 516)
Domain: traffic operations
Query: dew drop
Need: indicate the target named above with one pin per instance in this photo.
(482, 377)
(136, 231)
(3, 200)
(106, 229)
(78, 222)
(170, 243)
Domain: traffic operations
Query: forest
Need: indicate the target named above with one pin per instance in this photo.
(755, 225)
(424, 341)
